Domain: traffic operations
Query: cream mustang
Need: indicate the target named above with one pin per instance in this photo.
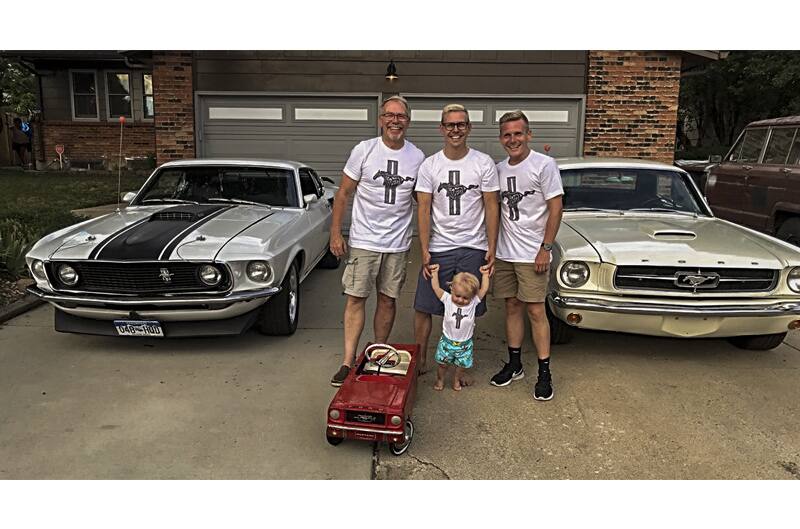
(206, 247)
(639, 251)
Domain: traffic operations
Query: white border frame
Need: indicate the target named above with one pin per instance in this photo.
(72, 94)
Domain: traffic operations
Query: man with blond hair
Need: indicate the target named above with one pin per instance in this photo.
(531, 206)
(458, 218)
(381, 173)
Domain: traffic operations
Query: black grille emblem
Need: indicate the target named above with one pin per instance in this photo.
(166, 275)
(698, 280)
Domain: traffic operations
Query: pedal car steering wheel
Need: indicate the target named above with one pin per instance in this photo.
(382, 355)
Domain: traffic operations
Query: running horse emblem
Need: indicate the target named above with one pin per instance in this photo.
(391, 181)
(454, 189)
(514, 197)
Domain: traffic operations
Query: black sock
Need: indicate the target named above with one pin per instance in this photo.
(514, 357)
(544, 365)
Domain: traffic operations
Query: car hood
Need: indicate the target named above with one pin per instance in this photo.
(671, 240)
(196, 232)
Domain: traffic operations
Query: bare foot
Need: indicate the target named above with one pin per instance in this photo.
(439, 386)
(421, 369)
(466, 380)
(456, 385)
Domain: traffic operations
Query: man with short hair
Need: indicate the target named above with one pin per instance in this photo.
(531, 206)
(381, 172)
(458, 218)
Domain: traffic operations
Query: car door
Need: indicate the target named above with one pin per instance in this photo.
(771, 183)
(726, 188)
(317, 213)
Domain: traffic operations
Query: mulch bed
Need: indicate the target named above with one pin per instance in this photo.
(9, 291)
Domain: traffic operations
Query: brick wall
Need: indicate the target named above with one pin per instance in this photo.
(632, 104)
(84, 141)
(174, 105)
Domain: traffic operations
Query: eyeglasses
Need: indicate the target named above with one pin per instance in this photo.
(460, 125)
(391, 116)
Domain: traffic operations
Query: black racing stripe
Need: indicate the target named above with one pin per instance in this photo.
(147, 240)
(107, 240)
(166, 252)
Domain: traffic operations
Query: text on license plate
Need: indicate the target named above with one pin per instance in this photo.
(138, 328)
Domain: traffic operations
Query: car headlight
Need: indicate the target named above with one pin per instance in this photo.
(574, 273)
(397, 420)
(259, 271)
(793, 279)
(67, 275)
(210, 275)
(37, 269)
(334, 414)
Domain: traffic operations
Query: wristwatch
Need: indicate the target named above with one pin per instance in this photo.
(547, 246)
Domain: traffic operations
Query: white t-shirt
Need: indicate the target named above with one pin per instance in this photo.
(457, 187)
(458, 322)
(382, 206)
(524, 191)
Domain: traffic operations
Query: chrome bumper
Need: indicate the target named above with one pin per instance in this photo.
(783, 308)
(164, 302)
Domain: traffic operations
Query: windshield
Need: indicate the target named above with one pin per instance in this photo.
(261, 185)
(592, 188)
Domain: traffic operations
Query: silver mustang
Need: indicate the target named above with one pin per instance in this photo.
(639, 251)
(206, 247)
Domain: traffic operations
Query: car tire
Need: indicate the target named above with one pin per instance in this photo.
(280, 314)
(789, 231)
(399, 449)
(560, 332)
(329, 261)
(758, 343)
(334, 441)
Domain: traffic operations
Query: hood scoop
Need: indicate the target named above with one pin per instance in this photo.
(674, 235)
(172, 216)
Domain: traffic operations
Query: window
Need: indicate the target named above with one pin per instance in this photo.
(83, 85)
(245, 113)
(778, 146)
(148, 107)
(307, 184)
(751, 145)
(118, 94)
(332, 114)
(794, 154)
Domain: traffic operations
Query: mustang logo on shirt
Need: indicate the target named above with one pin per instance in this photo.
(514, 197)
(458, 315)
(391, 180)
(454, 190)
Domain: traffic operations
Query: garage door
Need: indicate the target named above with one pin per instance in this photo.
(555, 122)
(317, 131)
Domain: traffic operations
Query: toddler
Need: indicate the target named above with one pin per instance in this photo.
(455, 345)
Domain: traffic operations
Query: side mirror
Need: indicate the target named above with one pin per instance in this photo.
(310, 198)
(127, 197)
(715, 158)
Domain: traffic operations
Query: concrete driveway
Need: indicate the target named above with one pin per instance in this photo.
(254, 407)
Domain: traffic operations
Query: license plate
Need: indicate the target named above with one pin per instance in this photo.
(138, 328)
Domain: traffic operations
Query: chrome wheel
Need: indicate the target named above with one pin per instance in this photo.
(400, 448)
(292, 295)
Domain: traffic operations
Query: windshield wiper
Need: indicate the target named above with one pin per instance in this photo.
(593, 209)
(238, 201)
(169, 200)
(666, 210)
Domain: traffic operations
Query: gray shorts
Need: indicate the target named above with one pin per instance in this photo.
(450, 263)
(365, 268)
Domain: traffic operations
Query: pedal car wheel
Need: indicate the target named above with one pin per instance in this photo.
(400, 448)
(335, 441)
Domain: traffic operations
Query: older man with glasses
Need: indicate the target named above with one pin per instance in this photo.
(381, 173)
(457, 191)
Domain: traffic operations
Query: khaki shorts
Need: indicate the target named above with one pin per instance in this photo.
(365, 268)
(519, 280)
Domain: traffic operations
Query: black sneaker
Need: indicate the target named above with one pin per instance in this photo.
(340, 375)
(544, 388)
(507, 375)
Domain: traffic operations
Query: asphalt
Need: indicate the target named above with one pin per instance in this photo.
(253, 407)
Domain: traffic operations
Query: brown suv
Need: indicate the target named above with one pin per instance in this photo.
(758, 182)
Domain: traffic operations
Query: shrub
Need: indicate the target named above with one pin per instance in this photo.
(15, 241)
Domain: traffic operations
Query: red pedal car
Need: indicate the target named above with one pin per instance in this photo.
(376, 399)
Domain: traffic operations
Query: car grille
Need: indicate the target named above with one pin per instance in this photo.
(139, 278)
(689, 279)
(365, 417)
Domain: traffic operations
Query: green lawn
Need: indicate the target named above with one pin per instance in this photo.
(42, 201)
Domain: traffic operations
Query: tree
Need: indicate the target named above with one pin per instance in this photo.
(746, 86)
(17, 89)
